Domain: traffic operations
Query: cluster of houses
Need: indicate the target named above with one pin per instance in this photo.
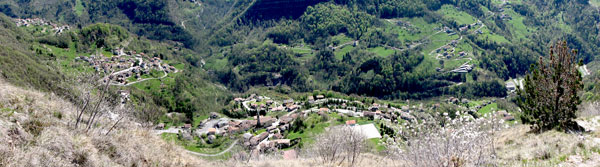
(41, 22)
(448, 30)
(125, 66)
(266, 133)
(261, 103)
(271, 139)
(447, 51)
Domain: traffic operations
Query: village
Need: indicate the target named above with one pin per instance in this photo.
(29, 22)
(266, 132)
(126, 68)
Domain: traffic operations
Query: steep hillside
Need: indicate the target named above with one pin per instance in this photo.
(36, 56)
(36, 129)
(176, 20)
(415, 49)
(20, 65)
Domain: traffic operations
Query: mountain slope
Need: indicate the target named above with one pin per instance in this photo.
(37, 130)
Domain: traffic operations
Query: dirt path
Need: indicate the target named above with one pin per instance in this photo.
(344, 44)
(217, 154)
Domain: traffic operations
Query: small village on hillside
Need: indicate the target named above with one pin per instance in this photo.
(29, 22)
(266, 133)
(126, 68)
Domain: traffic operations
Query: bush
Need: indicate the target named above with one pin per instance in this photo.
(443, 141)
(339, 145)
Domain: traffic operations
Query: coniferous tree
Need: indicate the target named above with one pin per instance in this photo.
(549, 99)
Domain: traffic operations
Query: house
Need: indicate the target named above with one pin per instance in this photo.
(462, 53)
(233, 129)
(278, 108)
(284, 127)
(266, 121)
(222, 123)
(351, 122)
(285, 120)
(212, 131)
(246, 125)
(247, 136)
(258, 138)
(187, 126)
(320, 97)
(311, 99)
(238, 99)
(368, 114)
(324, 110)
(282, 143)
(447, 30)
(233, 123)
(293, 107)
(511, 86)
(278, 136)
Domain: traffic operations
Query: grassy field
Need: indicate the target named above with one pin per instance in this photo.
(488, 109)
(340, 39)
(376, 144)
(519, 28)
(451, 13)
(381, 51)
(454, 63)
(418, 29)
(339, 53)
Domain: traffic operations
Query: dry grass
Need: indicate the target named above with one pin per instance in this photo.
(277, 161)
(35, 131)
(517, 147)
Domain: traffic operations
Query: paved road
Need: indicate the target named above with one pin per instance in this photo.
(214, 155)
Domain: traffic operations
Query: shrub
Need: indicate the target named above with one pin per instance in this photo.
(462, 141)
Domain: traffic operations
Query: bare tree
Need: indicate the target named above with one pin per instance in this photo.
(339, 145)
(102, 98)
(147, 113)
(442, 141)
(96, 99)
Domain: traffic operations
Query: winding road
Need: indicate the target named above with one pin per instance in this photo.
(176, 130)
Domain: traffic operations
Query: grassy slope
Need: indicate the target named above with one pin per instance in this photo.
(19, 65)
(45, 136)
